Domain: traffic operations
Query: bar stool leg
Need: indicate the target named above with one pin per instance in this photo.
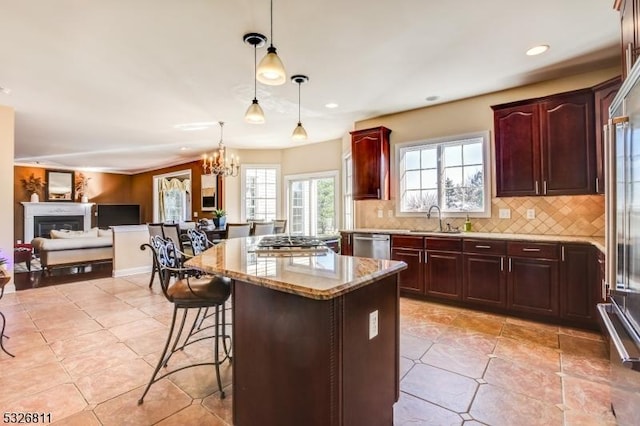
(3, 336)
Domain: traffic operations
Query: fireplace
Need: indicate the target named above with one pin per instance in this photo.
(55, 215)
(42, 225)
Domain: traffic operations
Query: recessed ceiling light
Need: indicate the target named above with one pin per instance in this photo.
(184, 148)
(536, 50)
(189, 127)
(432, 98)
(331, 105)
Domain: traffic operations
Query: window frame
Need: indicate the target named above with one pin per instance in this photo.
(442, 141)
(243, 187)
(334, 174)
(347, 196)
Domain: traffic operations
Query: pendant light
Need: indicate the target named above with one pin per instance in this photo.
(299, 133)
(254, 113)
(270, 70)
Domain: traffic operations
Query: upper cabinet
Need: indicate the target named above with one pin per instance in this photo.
(630, 32)
(546, 146)
(603, 95)
(370, 156)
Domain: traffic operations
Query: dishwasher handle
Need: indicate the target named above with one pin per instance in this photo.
(371, 238)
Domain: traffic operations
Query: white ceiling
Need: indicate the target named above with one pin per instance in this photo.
(102, 83)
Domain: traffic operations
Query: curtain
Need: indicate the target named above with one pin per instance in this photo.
(171, 199)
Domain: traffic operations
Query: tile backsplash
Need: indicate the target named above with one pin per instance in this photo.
(576, 215)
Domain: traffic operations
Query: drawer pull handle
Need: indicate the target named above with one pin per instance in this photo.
(530, 249)
(483, 247)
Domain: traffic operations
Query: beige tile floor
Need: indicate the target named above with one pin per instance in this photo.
(85, 351)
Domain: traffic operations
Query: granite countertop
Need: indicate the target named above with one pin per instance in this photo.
(598, 242)
(316, 277)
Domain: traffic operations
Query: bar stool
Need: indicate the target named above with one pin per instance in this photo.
(4, 279)
(189, 292)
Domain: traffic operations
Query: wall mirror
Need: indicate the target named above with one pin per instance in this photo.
(209, 192)
(59, 185)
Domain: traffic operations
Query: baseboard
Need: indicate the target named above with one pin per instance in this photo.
(132, 271)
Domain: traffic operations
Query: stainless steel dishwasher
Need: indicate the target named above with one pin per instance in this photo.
(377, 246)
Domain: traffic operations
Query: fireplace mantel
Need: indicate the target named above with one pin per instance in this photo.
(32, 210)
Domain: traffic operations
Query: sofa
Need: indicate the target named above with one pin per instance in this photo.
(66, 248)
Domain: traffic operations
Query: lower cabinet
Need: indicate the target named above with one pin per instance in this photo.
(346, 244)
(443, 268)
(581, 289)
(409, 249)
(532, 286)
(485, 279)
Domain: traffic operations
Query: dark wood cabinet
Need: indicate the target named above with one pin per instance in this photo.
(532, 280)
(579, 276)
(443, 268)
(630, 32)
(546, 146)
(603, 95)
(409, 249)
(485, 279)
(567, 144)
(517, 147)
(370, 156)
(346, 244)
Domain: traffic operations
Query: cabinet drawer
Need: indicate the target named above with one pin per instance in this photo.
(407, 241)
(484, 246)
(531, 249)
(445, 244)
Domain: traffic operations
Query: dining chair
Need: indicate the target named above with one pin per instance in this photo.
(280, 226)
(154, 229)
(173, 232)
(265, 228)
(237, 230)
(194, 292)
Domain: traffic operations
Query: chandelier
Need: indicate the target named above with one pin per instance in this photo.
(218, 164)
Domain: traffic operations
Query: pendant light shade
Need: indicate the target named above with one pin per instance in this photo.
(299, 133)
(254, 114)
(271, 70)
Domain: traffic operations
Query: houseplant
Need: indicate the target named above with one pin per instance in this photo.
(219, 218)
(33, 185)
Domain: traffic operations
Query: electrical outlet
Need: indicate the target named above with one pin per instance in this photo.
(380, 213)
(373, 324)
(389, 213)
(505, 214)
(531, 213)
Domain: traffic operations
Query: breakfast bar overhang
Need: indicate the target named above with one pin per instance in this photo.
(315, 338)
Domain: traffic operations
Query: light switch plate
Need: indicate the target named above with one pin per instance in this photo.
(373, 324)
(380, 213)
(195, 214)
(389, 213)
(531, 213)
(505, 214)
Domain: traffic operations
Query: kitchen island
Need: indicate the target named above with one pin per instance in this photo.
(315, 337)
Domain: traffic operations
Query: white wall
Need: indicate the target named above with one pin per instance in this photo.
(7, 120)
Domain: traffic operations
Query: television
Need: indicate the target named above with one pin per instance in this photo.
(117, 214)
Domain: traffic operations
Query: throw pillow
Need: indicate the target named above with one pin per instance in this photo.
(63, 233)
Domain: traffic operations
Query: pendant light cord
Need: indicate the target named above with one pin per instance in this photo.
(299, 85)
(255, 72)
(271, 31)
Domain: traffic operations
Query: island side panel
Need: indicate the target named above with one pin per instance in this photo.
(285, 358)
(371, 365)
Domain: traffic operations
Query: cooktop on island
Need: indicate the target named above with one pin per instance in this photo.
(290, 245)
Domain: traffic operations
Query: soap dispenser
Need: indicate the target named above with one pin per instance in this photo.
(467, 225)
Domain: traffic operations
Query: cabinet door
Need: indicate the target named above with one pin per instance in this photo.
(579, 283)
(443, 274)
(629, 20)
(346, 247)
(370, 154)
(532, 286)
(484, 280)
(517, 149)
(568, 144)
(410, 279)
(603, 95)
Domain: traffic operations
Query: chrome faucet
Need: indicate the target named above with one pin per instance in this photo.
(435, 206)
